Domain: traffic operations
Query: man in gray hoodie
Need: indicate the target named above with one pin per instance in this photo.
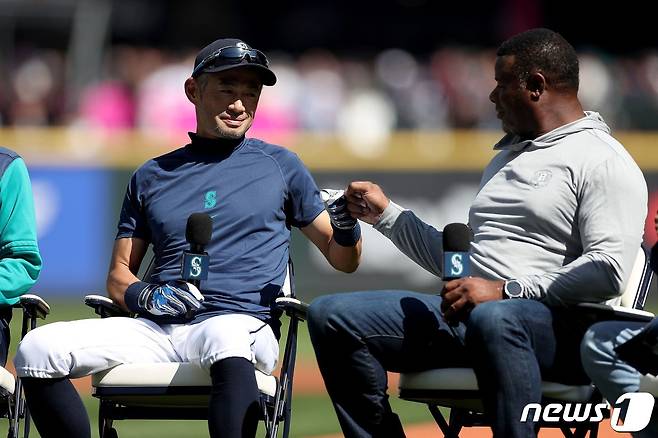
(558, 220)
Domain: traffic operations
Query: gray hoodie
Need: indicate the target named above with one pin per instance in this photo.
(563, 214)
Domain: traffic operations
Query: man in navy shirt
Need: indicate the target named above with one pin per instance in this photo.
(254, 192)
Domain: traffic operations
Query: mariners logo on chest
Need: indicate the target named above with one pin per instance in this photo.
(210, 199)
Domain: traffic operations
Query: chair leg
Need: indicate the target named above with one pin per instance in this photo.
(107, 431)
(273, 427)
(26, 427)
(456, 421)
(287, 419)
(29, 322)
(11, 432)
(10, 413)
(105, 428)
(581, 431)
(19, 410)
(265, 412)
(283, 397)
(447, 430)
(566, 431)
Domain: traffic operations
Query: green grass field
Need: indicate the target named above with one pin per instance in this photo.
(312, 413)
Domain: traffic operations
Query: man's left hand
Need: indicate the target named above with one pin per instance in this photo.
(461, 295)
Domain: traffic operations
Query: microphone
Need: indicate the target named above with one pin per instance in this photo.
(198, 232)
(456, 243)
(456, 263)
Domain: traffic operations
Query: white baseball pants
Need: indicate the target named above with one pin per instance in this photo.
(83, 347)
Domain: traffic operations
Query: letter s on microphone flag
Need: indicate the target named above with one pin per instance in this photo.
(195, 266)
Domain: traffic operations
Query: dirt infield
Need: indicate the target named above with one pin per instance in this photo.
(432, 431)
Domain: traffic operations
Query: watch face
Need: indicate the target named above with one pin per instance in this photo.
(513, 289)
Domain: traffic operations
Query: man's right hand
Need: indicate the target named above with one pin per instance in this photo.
(179, 299)
(366, 201)
(336, 205)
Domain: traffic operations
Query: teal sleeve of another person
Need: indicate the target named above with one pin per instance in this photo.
(20, 261)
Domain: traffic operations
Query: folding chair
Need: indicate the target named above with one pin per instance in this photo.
(11, 389)
(181, 390)
(457, 389)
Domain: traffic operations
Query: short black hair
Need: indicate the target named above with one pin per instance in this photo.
(202, 80)
(546, 51)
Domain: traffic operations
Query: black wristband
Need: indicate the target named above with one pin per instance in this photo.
(347, 237)
(132, 295)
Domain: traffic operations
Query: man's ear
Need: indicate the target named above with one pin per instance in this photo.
(192, 90)
(536, 85)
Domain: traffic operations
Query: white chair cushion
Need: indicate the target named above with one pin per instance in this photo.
(7, 381)
(167, 374)
(632, 285)
(463, 379)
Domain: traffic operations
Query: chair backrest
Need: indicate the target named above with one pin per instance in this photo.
(637, 287)
(288, 288)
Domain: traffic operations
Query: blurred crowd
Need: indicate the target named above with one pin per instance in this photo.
(142, 88)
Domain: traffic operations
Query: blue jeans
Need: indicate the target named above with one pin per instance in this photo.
(611, 375)
(510, 344)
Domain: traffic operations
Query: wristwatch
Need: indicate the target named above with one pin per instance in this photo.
(513, 289)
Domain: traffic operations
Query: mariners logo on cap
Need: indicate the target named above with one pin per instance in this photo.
(242, 45)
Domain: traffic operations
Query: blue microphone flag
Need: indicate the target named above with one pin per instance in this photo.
(456, 264)
(195, 266)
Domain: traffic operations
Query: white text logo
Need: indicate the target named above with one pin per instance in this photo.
(638, 412)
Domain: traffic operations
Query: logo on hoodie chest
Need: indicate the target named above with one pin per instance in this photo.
(541, 178)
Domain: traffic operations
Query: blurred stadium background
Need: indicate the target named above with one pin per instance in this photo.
(395, 91)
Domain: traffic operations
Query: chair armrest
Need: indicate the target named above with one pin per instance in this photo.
(34, 305)
(293, 307)
(104, 306)
(607, 312)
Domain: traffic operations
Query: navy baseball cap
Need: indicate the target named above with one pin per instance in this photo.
(228, 53)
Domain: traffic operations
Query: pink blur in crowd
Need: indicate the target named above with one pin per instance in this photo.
(317, 92)
(108, 105)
